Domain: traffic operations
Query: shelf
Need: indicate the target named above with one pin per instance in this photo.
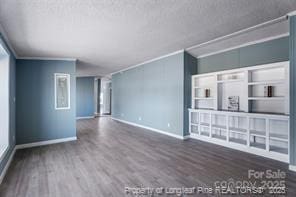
(257, 133)
(278, 149)
(230, 81)
(269, 113)
(276, 98)
(238, 141)
(267, 82)
(195, 124)
(204, 98)
(194, 129)
(257, 145)
(204, 124)
(198, 87)
(278, 139)
(276, 135)
(205, 133)
(221, 137)
(204, 108)
(218, 126)
(238, 130)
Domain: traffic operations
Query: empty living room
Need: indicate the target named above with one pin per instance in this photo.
(113, 98)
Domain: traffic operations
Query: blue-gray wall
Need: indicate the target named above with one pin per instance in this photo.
(292, 90)
(152, 91)
(36, 117)
(190, 69)
(262, 53)
(11, 105)
(85, 105)
(142, 91)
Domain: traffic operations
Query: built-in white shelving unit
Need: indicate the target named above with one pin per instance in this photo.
(260, 125)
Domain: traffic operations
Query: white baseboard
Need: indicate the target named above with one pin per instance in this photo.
(42, 143)
(85, 117)
(186, 137)
(22, 146)
(104, 115)
(292, 168)
(4, 171)
(151, 129)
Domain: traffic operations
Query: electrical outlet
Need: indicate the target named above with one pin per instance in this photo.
(122, 115)
(169, 125)
(140, 118)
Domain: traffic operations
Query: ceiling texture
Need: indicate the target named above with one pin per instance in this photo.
(109, 35)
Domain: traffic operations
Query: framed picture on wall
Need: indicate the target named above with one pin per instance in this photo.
(62, 91)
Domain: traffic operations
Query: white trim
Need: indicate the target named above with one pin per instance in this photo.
(69, 90)
(247, 126)
(293, 13)
(148, 61)
(292, 168)
(249, 29)
(4, 171)
(48, 58)
(150, 128)
(244, 45)
(43, 143)
(104, 115)
(6, 71)
(6, 40)
(4, 152)
(84, 117)
(29, 145)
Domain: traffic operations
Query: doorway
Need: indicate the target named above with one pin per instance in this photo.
(105, 97)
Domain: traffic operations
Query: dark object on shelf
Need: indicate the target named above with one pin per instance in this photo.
(268, 91)
(233, 103)
(207, 92)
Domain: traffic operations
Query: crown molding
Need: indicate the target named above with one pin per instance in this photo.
(244, 45)
(47, 58)
(237, 33)
(148, 61)
(6, 40)
(293, 13)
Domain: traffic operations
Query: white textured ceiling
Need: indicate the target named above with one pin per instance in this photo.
(109, 35)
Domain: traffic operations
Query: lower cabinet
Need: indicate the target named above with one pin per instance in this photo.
(261, 134)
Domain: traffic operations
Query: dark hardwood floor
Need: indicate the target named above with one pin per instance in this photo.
(109, 156)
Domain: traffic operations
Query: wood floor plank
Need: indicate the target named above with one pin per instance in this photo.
(109, 155)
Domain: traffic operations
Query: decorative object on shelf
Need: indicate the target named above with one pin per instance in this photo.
(233, 103)
(268, 91)
(207, 93)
